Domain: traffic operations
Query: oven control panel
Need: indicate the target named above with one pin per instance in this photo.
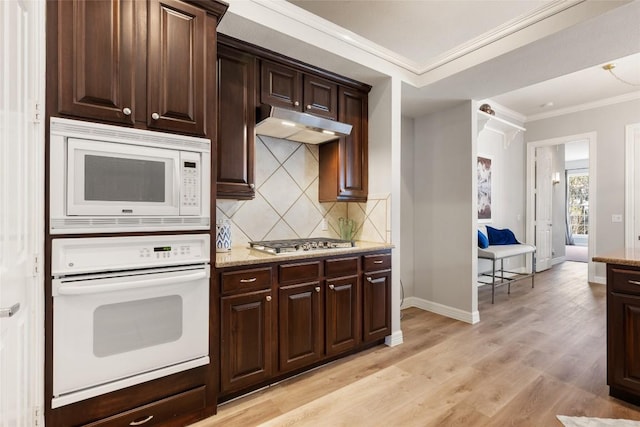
(93, 254)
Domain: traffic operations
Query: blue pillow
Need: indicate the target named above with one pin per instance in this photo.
(483, 242)
(501, 237)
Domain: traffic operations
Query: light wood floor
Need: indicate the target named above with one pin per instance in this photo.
(535, 354)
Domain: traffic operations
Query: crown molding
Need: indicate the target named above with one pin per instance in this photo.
(583, 107)
(330, 29)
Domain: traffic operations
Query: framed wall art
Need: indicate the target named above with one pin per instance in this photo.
(484, 170)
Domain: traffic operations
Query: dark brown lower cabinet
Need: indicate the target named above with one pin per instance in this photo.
(623, 332)
(321, 308)
(245, 340)
(342, 314)
(300, 325)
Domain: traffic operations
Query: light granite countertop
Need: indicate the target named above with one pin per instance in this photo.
(628, 256)
(242, 256)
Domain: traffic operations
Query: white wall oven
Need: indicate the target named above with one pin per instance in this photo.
(114, 179)
(127, 310)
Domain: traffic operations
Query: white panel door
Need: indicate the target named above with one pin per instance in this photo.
(543, 208)
(21, 213)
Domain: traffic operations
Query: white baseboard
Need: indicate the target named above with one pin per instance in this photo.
(558, 260)
(444, 310)
(600, 280)
(394, 339)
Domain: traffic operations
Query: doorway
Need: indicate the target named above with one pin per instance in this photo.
(560, 175)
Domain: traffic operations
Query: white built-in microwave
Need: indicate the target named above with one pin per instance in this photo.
(107, 178)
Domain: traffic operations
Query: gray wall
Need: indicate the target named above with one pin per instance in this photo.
(407, 208)
(609, 122)
(444, 208)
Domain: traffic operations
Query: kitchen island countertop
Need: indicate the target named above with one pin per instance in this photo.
(628, 256)
(242, 256)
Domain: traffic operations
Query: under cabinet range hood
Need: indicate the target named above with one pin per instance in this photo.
(282, 123)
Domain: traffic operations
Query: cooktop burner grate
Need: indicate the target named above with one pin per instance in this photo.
(295, 245)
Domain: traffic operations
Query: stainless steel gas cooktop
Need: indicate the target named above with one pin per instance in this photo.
(294, 245)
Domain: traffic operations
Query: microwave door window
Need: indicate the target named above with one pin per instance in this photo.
(116, 179)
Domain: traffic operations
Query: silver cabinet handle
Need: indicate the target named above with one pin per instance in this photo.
(309, 107)
(332, 287)
(634, 282)
(126, 111)
(378, 261)
(296, 103)
(317, 288)
(252, 186)
(268, 297)
(9, 312)
(378, 280)
(155, 116)
(138, 423)
(253, 279)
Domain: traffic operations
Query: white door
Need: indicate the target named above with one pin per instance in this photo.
(21, 212)
(543, 208)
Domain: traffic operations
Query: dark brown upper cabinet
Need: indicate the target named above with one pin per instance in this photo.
(135, 62)
(96, 69)
(236, 122)
(344, 170)
(286, 87)
(176, 67)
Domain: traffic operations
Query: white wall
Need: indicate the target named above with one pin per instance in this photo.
(558, 205)
(609, 123)
(444, 212)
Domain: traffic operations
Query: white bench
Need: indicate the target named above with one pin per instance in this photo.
(500, 252)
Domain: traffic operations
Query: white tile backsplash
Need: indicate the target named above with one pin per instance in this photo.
(286, 204)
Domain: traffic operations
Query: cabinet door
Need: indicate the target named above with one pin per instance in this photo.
(377, 305)
(342, 314)
(246, 339)
(95, 59)
(176, 66)
(300, 325)
(280, 86)
(624, 344)
(353, 168)
(236, 120)
(320, 97)
(343, 163)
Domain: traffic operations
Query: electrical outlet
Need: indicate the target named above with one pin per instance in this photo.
(323, 224)
(616, 218)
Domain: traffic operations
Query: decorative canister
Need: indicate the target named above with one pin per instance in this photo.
(223, 235)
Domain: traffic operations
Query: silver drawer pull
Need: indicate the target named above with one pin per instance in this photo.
(317, 288)
(332, 287)
(634, 282)
(268, 298)
(9, 312)
(378, 261)
(139, 423)
(379, 280)
(253, 279)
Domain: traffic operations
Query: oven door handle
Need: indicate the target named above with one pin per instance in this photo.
(133, 284)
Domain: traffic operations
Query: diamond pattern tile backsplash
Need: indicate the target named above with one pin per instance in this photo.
(286, 204)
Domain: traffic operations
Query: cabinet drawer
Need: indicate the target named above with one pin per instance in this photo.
(341, 267)
(244, 280)
(299, 272)
(625, 280)
(158, 413)
(377, 262)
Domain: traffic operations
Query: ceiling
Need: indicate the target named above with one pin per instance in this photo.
(564, 68)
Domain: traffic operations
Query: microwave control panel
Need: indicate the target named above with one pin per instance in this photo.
(191, 173)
